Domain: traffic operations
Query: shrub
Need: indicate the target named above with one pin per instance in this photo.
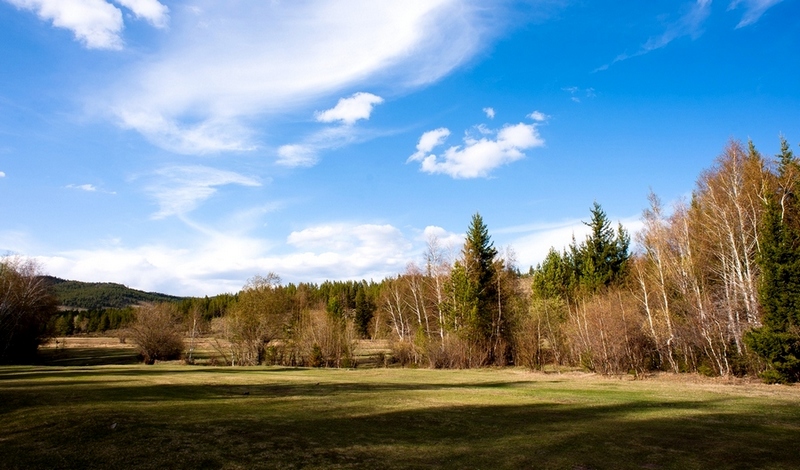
(157, 333)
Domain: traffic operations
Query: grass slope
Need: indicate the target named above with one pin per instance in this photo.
(174, 416)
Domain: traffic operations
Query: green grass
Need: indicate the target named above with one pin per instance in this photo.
(175, 416)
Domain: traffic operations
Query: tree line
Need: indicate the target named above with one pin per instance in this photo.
(709, 285)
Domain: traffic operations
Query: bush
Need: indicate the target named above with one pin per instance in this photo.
(157, 333)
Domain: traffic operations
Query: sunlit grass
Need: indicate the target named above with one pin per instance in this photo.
(175, 416)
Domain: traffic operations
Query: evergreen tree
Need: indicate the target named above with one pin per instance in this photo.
(778, 339)
(604, 255)
(479, 256)
(363, 311)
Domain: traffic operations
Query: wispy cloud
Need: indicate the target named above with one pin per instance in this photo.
(577, 93)
(754, 9)
(97, 24)
(689, 24)
(2, 175)
(489, 112)
(178, 190)
(89, 188)
(225, 65)
(480, 154)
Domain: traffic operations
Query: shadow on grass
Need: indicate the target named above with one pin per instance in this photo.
(86, 356)
(375, 425)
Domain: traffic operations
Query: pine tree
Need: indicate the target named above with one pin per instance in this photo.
(778, 340)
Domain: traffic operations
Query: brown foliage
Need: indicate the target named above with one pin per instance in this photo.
(157, 333)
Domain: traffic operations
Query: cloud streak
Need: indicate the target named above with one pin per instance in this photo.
(178, 190)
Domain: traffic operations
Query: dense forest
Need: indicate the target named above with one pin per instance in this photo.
(709, 285)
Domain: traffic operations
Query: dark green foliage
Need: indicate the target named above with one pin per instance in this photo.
(479, 265)
(600, 261)
(364, 310)
(778, 340)
(99, 295)
(555, 277)
(603, 257)
(69, 322)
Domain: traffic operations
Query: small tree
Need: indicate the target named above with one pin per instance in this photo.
(157, 332)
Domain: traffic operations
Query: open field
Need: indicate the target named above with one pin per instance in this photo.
(177, 416)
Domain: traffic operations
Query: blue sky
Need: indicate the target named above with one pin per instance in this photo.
(184, 147)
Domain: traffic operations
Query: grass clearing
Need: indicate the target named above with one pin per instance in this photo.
(177, 416)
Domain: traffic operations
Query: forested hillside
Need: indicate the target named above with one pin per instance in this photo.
(100, 295)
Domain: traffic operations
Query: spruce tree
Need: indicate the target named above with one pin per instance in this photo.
(604, 255)
(479, 255)
(777, 341)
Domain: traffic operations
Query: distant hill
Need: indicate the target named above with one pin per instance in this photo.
(98, 295)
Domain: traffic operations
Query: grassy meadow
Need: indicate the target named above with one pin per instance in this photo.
(127, 415)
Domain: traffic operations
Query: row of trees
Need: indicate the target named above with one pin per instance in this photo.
(712, 286)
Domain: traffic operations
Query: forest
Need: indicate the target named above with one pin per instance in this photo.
(709, 285)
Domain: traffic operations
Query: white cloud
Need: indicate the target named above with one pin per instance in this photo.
(349, 110)
(2, 175)
(223, 65)
(478, 156)
(297, 155)
(538, 116)
(448, 241)
(180, 189)
(152, 11)
(489, 112)
(95, 23)
(83, 187)
(428, 142)
(221, 262)
(754, 9)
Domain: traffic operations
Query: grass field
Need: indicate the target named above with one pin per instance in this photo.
(176, 416)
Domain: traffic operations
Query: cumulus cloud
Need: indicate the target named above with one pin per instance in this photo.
(2, 175)
(489, 112)
(97, 24)
(428, 142)
(224, 65)
(754, 9)
(180, 189)
(478, 156)
(349, 110)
